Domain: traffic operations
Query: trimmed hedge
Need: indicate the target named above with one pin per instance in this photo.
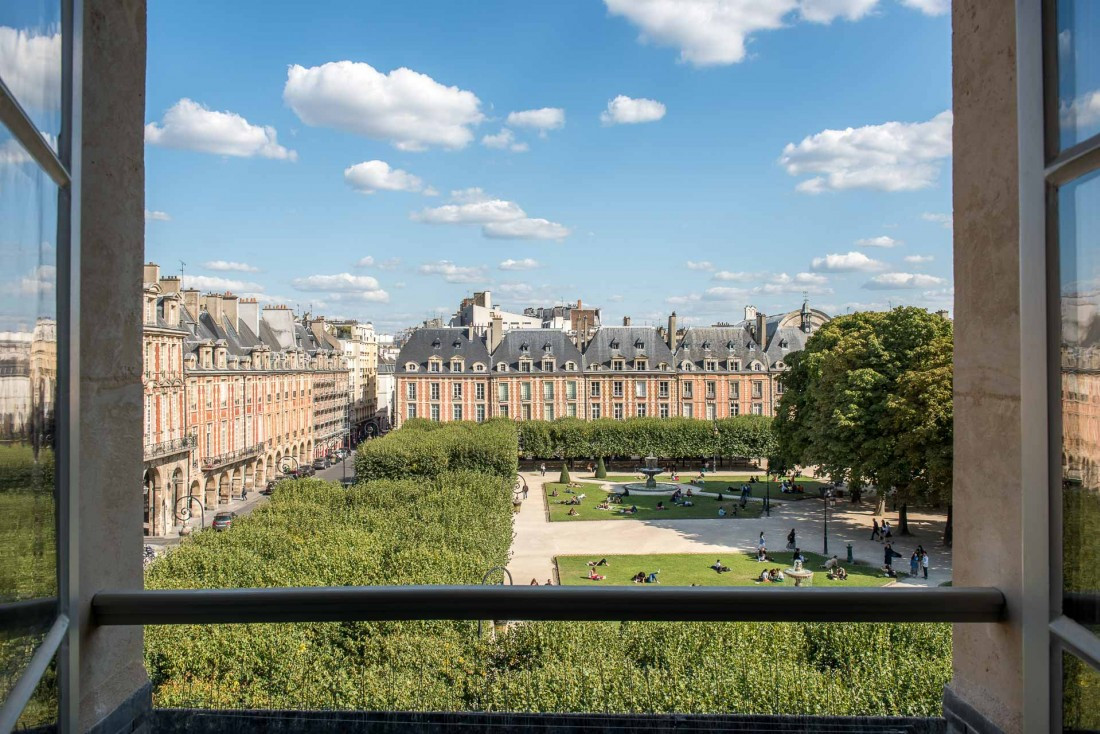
(666, 438)
(426, 449)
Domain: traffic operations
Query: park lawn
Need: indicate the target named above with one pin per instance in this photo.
(685, 569)
(704, 508)
(720, 482)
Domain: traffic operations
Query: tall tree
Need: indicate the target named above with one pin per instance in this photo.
(870, 400)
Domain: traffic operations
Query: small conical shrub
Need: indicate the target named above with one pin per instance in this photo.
(564, 478)
(601, 470)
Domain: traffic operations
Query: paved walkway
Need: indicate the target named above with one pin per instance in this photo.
(537, 540)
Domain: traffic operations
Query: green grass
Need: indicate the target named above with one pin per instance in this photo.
(720, 482)
(685, 569)
(704, 508)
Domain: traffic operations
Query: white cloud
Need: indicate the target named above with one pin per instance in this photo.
(850, 263)
(707, 32)
(801, 279)
(516, 291)
(336, 283)
(504, 140)
(1084, 111)
(155, 216)
(918, 259)
(624, 110)
(725, 293)
(700, 265)
(454, 273)
(527, 263)
(736, 276)
(188, 125)
(929, 7)
(215, 283)
(30, 65)
(410, 110)
(41, 280)
(370, 296)
(893, 156)
(782, 283)
(365, 262)
(525, 229)
(370, 176)
(499, 219)
(542, 119)
(826, 11)
(227, 265)
(881, 241)
(390, 264)
(945, 219)
(894, 281)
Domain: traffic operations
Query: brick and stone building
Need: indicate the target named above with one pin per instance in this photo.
(536, 374)
(443, 374)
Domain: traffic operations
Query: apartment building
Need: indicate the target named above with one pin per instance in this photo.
(536, 374)
(443, 374)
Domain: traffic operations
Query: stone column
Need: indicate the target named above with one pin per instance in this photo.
(986, 691)
(113, 686)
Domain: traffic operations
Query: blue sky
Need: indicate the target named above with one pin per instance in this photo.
(725, 175)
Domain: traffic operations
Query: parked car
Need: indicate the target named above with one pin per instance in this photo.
(223, 520)
(270, 487)
(319, 463)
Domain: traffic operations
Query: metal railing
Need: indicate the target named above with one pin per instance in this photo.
(541, 603)
(172, 446)
(212, 462)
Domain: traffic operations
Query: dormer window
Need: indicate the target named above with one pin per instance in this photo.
(547, 365)
(435, 365)
(457, 344)
(570, 366)
(783, 344)
(757, 367)
(411, 366)
(614, 344)
(547, 348)
(779, 365)
(710, 365)
(502, 366)
(706, 345)
(686, 365)
(479, 367)
(663, 366)
(735, 365)
(457, 365)
(618, 364)
(729, 345)
(436, 343)
(525, 347)
(525, 365)
(639, 344)
(641, 364)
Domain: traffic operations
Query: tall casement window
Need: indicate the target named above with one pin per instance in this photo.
(571, 390)
(435, 391)
(688, 389)
(662, 410)
(641, 410)
(662, 389)
(479, 391)
(687, 411)
(594, 411)
(758, 388)
(458, 412)
(525, 391)
(502, 392)
(1066, 207)
(435, 413)
(594, 389)
(411, 411)
(548, 412)
(617, 389)
(571, 410)
(456, 390)
(547, 391)
(617, 411)
(479, 413)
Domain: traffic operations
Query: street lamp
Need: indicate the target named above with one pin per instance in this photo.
(825, 501)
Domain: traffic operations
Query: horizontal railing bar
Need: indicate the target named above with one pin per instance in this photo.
(542, 603)
(28, 613)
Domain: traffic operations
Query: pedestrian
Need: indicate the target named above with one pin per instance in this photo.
(760, 544)
(875, 532)
(549, 582)
(914, 564)
(542, 468)
(924, 563)
(886, 531)
(790, 539)
(889, 554)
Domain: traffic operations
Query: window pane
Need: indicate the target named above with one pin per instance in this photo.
(1080, 695)
(1078, 70)
(30, 60)
(1079, 225)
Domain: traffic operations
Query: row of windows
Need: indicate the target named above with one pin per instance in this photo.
(595, 390)
(548, 365)
(618, 411)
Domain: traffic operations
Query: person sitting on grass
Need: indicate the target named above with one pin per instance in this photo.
(798, 556)
(689, 493)
(831, 563)
(632, 510)
(573, 512)
(838, 574)
(676, 495)
(776, 576)
(639, 578)
(554, 492)
(719, 568)
(661, 506)
(764, 577)
(889, 572)
(593, 576)
(616, 499)
(605, 505)
(721, 512)
(652, 578)
(720, 497)
(762, 555)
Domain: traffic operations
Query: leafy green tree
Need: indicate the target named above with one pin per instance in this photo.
(869, 400)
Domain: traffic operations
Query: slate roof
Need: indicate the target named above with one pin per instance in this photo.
(536, 344)
(627, 343)
(444, 343)
(719, 342)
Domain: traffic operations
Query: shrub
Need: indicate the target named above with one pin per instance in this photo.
(426, 449)
(564, 476)
(601, 469)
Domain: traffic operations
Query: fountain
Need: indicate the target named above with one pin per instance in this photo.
(651, 485)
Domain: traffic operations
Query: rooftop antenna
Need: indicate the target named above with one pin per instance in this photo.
(182, 266)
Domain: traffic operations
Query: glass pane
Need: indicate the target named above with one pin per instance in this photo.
(17, 646)
(1078, 70)
(1080, 696)
(1079, 226)
(30, 60)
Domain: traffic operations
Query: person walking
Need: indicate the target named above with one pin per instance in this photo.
(760, 544)
(924, 564)
(790, 540)
(542, 468)
(914, 564)
(886, 531)
(876, 534)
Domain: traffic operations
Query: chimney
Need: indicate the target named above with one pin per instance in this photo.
(151, 273)
(626, 321)
(191, 302)
(761, 331)
(579, 306)
(229, 308)
(496, 332)
(672, 331)
(942, 313)
(169, 284)
(750, 313)
(214, 307)
(248, 309)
